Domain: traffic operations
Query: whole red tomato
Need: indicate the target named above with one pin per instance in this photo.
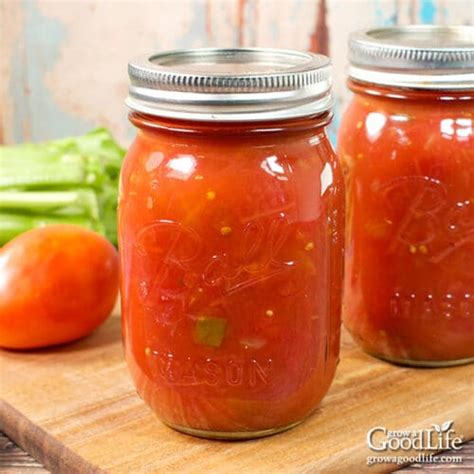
(57, 284)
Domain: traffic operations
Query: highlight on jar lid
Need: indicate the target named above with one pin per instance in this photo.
(231, 85)
(417, 56)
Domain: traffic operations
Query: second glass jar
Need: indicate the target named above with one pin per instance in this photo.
(407, 145)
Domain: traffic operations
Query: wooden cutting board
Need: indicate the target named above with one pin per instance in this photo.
(75, 409)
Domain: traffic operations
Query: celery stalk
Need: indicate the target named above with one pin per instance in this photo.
(82, 202)
(12, 225)
(35, 168)
(68, 180)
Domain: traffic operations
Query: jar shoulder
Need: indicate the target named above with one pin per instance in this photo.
(382, 127)
(187, 157)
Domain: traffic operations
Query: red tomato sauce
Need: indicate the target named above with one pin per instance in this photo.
(231, 240)
(408, 157)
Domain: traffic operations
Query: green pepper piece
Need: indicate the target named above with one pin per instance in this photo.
(210, 331)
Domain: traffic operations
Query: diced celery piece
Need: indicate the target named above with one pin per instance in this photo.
(210, 331)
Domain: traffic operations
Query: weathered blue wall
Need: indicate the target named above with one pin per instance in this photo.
(64, 62)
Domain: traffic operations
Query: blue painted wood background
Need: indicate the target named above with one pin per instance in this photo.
(63, 62)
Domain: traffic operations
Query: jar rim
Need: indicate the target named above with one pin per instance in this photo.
(230, 85)
(414, 56)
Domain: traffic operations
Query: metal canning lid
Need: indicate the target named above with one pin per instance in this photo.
(418, 56)
(230, 85)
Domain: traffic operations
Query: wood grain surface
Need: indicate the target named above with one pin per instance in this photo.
(13, 460)
(75, 410)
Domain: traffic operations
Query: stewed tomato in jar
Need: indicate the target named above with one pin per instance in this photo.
(407, 146)
(231, 238)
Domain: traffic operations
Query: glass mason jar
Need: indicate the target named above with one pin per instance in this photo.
(231, 239)
(407, 146)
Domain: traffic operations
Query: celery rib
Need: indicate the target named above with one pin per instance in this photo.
(12, 224)
(73, 180)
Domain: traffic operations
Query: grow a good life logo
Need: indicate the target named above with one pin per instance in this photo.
(401, 447)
